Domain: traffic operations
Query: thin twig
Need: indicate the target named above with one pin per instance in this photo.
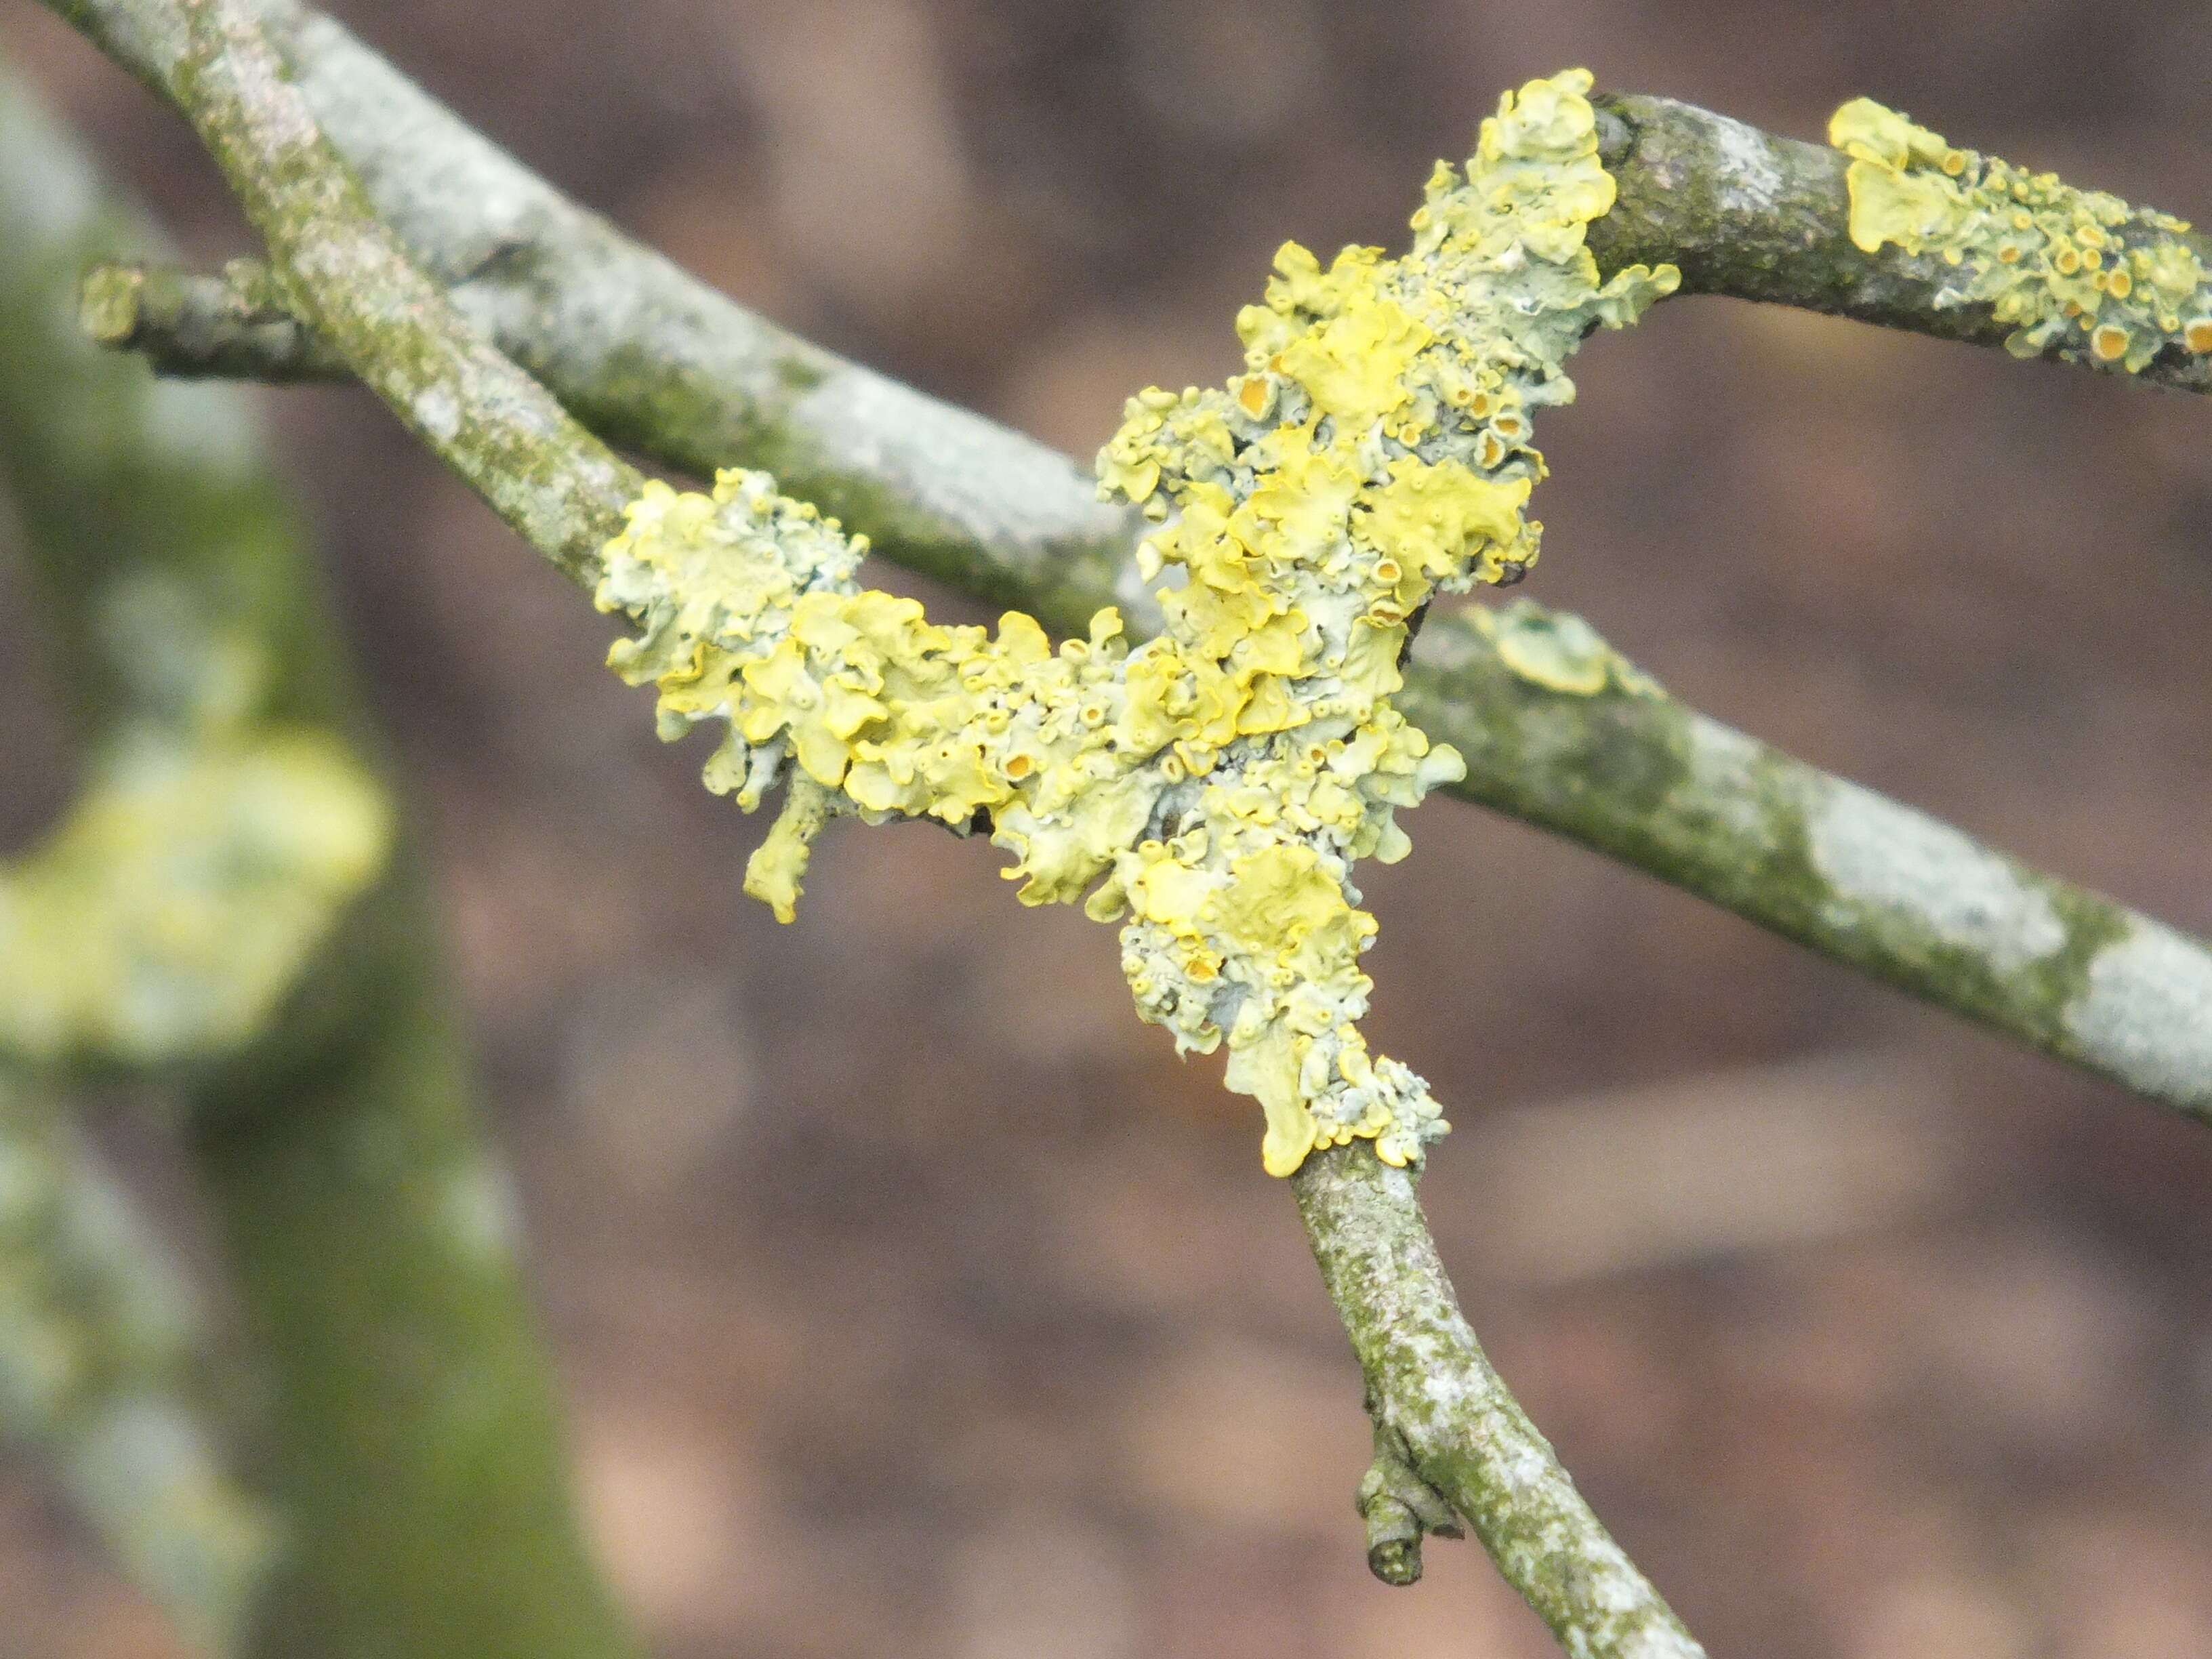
(1431, 1389)
(1752, 215)
(189, 326)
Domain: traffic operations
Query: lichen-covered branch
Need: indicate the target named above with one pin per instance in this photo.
(284, 171)
(402, 1410)
(1557, 732)
(1551, 739)
(101, 1345)
(1345, 371)
(1753, 216)
(1218, 784)
(654, 358)
(1431, 1389)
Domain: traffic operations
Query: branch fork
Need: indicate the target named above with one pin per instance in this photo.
(1769, 220)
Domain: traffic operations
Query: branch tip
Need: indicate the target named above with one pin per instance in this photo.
(108, 305)
(1399, 1507)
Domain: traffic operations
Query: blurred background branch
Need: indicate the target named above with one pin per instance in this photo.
(405, 1437)
(103, 1372)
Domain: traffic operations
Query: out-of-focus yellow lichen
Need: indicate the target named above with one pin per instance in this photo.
(2078, 270)
(206, 859)
(1214, 786)
(174, 906)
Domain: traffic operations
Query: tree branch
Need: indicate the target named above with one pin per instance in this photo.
(1903, 896)
(654, 360)
(1431, 1386)
(346, 276)
(1431, 1389)
(1742, 213)
(1854, 875)
(1747, 214)
(1399, 1506)
(187, 327)
(321, 237)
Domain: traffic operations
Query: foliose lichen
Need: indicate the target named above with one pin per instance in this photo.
(1558, 651)
(2074, 272)
(1214, 786)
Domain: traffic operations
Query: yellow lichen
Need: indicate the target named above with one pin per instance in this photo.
(167, 915)
(2063, 267)
(206, 858)
(1217, 785)
(1558, 651)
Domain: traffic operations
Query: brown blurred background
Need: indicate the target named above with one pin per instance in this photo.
(910, 1297)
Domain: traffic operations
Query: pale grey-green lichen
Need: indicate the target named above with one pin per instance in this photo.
(2146, 1014)
(1910, 867)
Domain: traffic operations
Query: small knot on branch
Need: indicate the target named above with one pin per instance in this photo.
(1399, 1508)
(108, 307)
(231, 325)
